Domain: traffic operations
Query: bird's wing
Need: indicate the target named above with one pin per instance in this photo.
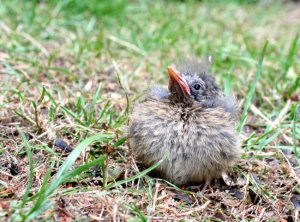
(158, 92)
(230, 104)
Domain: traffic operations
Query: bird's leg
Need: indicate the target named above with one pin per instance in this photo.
(205, 186)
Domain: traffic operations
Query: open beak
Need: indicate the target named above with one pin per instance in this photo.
(176, 79)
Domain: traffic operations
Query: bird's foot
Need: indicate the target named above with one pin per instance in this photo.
(206, 186)
(203, 187)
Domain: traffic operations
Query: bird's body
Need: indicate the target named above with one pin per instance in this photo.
(198, 137)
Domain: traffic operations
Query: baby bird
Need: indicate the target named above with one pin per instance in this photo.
(191, 122)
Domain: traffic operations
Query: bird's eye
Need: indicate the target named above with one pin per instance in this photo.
(196, 86)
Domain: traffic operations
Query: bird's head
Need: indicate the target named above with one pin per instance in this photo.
(187, 87)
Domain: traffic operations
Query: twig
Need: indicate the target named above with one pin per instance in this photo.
(255, 110)
(155, 198)
(34, 42)
(201, 208)
(280, 117)
(126, 44)
(261, 215)
(292, 171)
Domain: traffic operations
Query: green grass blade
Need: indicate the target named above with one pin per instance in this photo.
(261, 137)
(119, 142)
(292, 53)
(51, 98)
(59, 177)
(46, 205)
(3, 184)
(295, 117)
(73, 115)
(40, 100)
(92, 107)
(266, 141)
(79, 106)
(104, 111)
(41, 197)
(227, 84)
(83, 109)
(63, 174)
(294, 87)
(143, 173)
(31, 169)
(251, 91)
(85, 167)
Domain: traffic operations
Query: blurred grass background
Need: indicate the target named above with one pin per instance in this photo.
(72, 69)
(157, 32)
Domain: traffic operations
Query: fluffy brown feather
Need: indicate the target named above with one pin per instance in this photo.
(199, 139)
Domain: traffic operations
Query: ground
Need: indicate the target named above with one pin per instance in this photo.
(71, 71)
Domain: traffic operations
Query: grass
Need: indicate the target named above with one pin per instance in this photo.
(250, 94)
(73, 69)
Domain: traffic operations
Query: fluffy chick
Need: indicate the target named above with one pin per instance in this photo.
(192, 122)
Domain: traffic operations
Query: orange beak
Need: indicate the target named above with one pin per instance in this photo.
(176, 78)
